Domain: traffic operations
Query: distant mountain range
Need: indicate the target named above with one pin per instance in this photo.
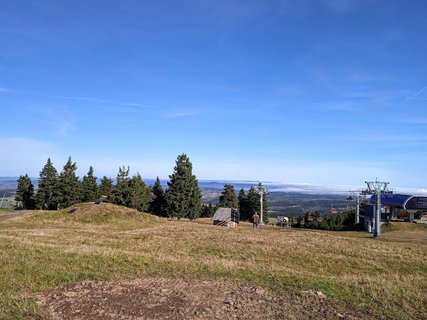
(10, 183)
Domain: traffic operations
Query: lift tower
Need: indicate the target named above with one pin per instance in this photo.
(378, 188)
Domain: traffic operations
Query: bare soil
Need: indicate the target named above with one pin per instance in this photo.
(188, 299)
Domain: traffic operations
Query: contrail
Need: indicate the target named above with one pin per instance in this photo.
(413, 96)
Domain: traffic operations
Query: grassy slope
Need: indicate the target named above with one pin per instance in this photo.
(110, 243)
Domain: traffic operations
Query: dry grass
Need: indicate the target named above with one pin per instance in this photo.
(106, 242)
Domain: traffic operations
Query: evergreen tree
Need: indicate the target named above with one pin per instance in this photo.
(208, 210)
(158, 201)
(183, 196)
(139, 193)
(69, 185)
(47, 196)
(25, 193)
(253, 201)
(122, 191)
(228, 198)
(249, 203)
(89, 187)
(265, 211)
(243, 205)
(106, 188)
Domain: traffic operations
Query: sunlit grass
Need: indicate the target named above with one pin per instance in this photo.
(49, 249)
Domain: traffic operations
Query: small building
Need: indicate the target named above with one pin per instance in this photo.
(226, 217)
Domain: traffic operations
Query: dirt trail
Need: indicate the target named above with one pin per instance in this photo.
(181, 299)
(13, 216)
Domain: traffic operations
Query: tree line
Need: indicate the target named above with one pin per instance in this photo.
(246, 202)
(333, 222)
(182, 199)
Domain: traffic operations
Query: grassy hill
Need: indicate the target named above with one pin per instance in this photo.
(289, 274)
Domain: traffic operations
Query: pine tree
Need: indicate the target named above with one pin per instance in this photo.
(265, 211)
(122, 190)
(25, 193)
(183, 196)
(228, 197)
(253, 201)
(139, 194)
(89, 187)
(243, 205)
(47, 196)
(158, 201)
(106, 188)
(208, 210)
(249, 203)
(69, 185)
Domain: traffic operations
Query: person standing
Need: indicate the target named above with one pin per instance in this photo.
(235, 216)
(255, 220)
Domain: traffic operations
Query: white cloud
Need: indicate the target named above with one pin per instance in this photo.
(316, 172)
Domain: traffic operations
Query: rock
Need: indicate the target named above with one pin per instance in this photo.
(70, 294)
(260, 291)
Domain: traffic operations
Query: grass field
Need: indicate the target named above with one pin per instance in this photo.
(46, 250)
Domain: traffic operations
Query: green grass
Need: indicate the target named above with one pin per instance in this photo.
(51, 249)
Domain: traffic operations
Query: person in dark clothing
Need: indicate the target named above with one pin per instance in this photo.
(255, 220)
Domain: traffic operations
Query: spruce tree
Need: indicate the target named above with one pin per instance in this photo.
(208, 210)
(69, 185)
(158, 201)
(243, 205)
(106, 188)
(47, 194)
(265, 211)
(89, 187)
(253, 202)
(183, 196)
(25, 193)
(249, 203)
(228, 198)
(122, 190)
(139, 194)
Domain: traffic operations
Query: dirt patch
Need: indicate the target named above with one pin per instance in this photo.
(13, 216)
(187, 299)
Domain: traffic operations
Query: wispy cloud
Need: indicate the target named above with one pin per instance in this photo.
(181, 114)
(60, 118)
(414, 96)
(3, 89)
(121, 103)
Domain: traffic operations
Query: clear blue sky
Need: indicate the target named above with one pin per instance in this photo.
(323, 92)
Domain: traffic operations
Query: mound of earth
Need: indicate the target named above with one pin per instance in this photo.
(105, 212)
(187, 299)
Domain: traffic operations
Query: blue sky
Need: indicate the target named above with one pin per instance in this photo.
(295, 91)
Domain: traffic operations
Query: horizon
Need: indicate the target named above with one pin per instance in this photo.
(324, 93)
(298, 188)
